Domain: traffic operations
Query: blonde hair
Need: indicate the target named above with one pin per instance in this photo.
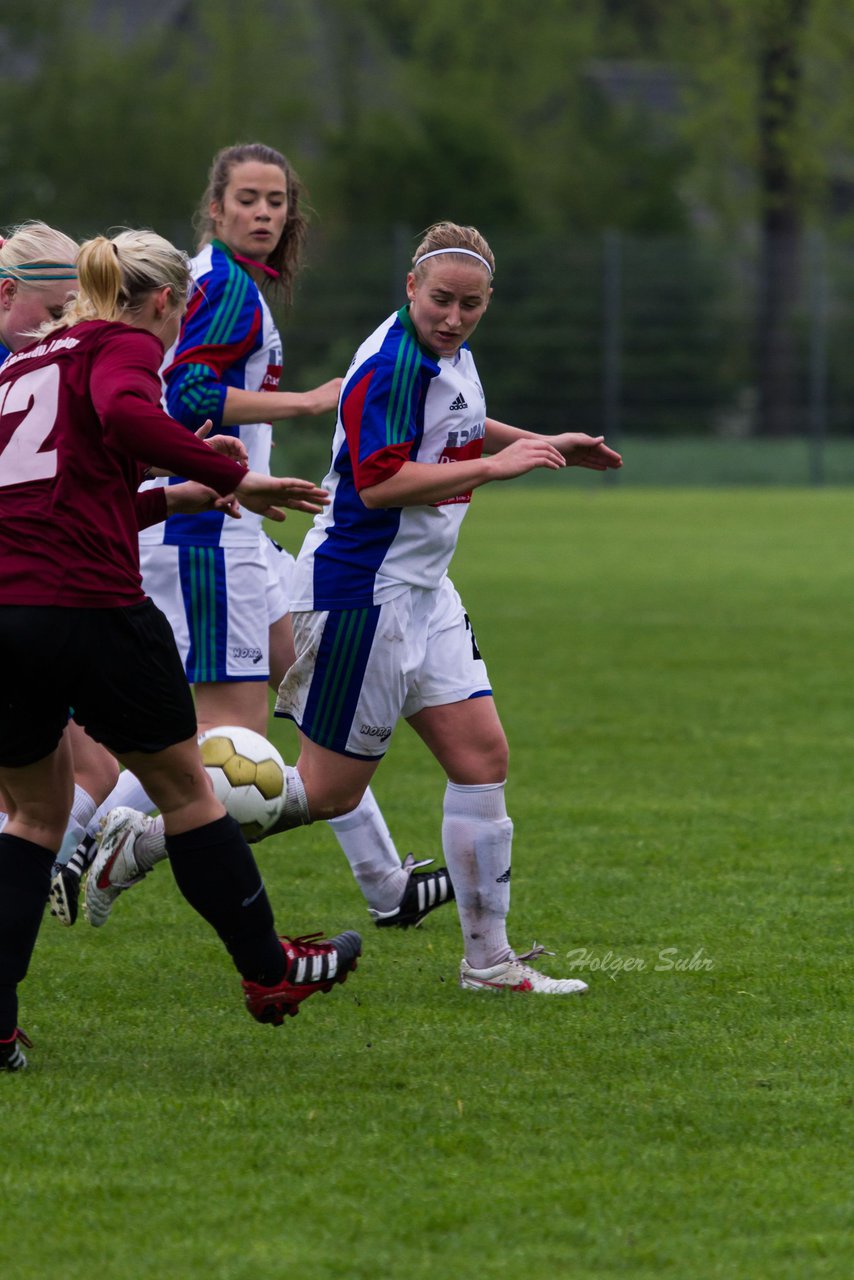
(118, 274)
(35, 255)
(450, 235)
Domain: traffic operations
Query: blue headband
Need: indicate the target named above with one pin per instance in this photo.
(41, 267)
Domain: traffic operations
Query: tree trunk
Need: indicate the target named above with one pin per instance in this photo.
(781, 226)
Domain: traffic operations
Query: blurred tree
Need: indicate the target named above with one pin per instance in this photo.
(103, 127)
(780, 55)
(495, 119)
(528, 116)
(764, 121)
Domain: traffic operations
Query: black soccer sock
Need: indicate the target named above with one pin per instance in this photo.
(217, 874)
(24, 885)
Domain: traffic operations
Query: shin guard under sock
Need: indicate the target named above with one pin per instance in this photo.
(367, 845)
(217, 874)
(24, 885)
(477, 837)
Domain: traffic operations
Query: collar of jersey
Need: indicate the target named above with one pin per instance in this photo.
(245, 262)
(406, 320)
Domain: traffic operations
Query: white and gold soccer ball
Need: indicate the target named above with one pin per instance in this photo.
(248, 776)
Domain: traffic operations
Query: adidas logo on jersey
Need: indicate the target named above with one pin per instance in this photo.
(459, 403)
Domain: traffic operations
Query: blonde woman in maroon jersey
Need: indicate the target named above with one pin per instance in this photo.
(79, 420)
(38, 276)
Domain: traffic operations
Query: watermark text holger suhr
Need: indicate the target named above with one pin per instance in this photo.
(668, 959)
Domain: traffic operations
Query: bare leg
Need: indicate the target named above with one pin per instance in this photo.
(334, 783)
(39, 797)
(178, 784)
(242, 702)
(467, 738)
(281, 650)
(95, 769)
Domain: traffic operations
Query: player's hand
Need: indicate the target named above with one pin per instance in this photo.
(323, 398)
(267, 494)
(586, 451)
(228, 505)
(524, 455)
(190, 497)
(228, 446)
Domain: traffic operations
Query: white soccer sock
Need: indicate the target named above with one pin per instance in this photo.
(295, 808)
(128, 793)
(368, 847)
(150, 845)
(296, 801)
(82, 807)
(477, 837)
(82, 812)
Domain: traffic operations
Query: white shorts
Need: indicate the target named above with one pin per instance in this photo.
(221, 603)
(358, 671)
(280, 574)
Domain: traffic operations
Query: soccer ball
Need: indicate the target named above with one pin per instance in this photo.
(248, 776)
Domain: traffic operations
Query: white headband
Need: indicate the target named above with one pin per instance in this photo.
(470, 253)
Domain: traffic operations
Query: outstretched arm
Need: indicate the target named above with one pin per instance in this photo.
(187, 498)
(576, 448)
(196, 391)
(259, 493)
(261, 406)
(222, 327)
(190, 497)
(423, 483)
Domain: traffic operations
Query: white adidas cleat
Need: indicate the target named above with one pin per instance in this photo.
(515, 975)
(115, 868)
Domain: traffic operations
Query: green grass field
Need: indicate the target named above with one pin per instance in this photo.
(674, 670)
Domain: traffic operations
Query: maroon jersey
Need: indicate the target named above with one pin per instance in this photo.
(80, 418)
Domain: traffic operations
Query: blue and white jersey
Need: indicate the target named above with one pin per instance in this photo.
(227, 339)
(399, 403)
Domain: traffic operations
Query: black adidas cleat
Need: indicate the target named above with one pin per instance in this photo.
(11, 1055)
(424, 892)
(64, 896)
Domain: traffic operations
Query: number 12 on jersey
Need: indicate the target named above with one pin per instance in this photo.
(36, 395)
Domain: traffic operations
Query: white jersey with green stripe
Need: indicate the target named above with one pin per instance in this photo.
(399, 403)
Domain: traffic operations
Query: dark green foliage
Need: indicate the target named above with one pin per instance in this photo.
(392, 169)
(549, 126)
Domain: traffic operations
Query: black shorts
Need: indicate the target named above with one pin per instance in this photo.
(119, 669)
